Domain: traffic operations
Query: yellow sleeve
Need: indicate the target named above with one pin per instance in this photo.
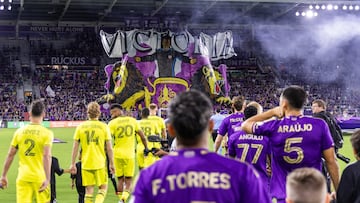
(77, 133)
(161, 124)
(49, 138)
(108, 133)
(14, 141)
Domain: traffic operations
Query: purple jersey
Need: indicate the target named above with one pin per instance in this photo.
(228, 124)
(253, 149)
(296, 142)
(198, 175)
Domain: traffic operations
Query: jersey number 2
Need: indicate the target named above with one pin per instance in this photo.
(31, 146)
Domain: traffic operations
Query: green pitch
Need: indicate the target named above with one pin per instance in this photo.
(63, 152)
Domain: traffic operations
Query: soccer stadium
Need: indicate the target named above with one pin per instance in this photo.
(197, 101)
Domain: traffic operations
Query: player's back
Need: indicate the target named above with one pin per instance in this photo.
(229, 123)
(30, 141)
(296, 142)
(197, 175)
(124, 129)
(253, 149)
(92, 135)
(160, 121)
(149, 127)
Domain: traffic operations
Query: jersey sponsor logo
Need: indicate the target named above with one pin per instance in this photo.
(192, 179)
(233, 120)
(306, 127)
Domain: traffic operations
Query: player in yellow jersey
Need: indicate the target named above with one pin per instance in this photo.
(124, 130)
(92, 136)
(161, 123)
(149, 127)
(33, 142)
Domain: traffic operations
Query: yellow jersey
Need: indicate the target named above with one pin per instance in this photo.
(123, 130)
(92, 135)
(149, 127)
(160, 122)
(30, 141)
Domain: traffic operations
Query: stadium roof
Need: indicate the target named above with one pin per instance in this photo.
(102, 12)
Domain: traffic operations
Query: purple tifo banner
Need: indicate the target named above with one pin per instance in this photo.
(349, 123)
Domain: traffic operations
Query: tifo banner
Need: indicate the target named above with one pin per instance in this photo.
(155, 66)
(65, 124)
(218, 46)
(19, 124)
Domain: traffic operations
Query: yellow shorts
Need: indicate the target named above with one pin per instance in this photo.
(94, 177)
(150, 159)
(27, 191)
(140, 155)
(124, 167)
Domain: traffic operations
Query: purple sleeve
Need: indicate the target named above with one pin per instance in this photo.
(255, 189)
(141, 190)
(223, 127)
(231, 145)
(263, 128)
(327, 140)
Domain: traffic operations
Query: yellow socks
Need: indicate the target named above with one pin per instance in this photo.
(88, 198)
(100, 196)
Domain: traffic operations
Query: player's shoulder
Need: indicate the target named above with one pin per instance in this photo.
(353, 168)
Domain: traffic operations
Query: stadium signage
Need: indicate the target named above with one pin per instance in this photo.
(55, 29)
(68, 60)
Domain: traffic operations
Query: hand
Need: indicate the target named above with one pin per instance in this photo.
(44, 185)
(72, 186)
(112, 168)
(278, 112)
(4, 182)
(146, 151)
(333, 196)
(73, 169)
(161, 152)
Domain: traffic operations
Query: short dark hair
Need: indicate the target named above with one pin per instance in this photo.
(189, 113)
(37, 108)
(153, 106)
(116, 106)
(296, 96)
(321, 103)
(355, 142)
(145, 112)
(238, 102)
(250, 111)
(218, 109)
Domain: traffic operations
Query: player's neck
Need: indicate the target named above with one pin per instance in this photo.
(36, 121)
(93, 119)
(293, 112)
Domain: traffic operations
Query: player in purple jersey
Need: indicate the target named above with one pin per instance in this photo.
(226, 127)
(193, 174)
(296, 141)
(253, 149)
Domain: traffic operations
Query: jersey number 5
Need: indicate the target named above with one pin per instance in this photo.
(288, 149)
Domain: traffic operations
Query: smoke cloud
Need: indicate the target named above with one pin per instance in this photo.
(329, 45)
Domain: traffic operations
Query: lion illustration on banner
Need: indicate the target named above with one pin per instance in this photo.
(156, 77)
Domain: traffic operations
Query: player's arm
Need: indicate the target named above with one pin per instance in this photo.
(218, 142)
(7, 164)
(73, 156)
(47, 166)
(247, 126)
(332, 166)
(110, 154)
(143, 138)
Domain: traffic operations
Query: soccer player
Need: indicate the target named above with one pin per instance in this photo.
(349, 187)
(33, 142)
(149, 127)
(306, 185)
(296, 141)
(226, 127)
(217, 118)
(124, 130)
(161, 123)
(250, 148)
(193, 174)
(92, 135)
